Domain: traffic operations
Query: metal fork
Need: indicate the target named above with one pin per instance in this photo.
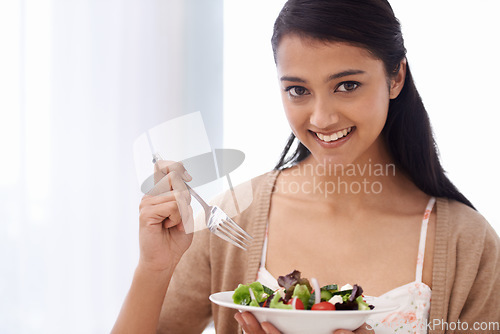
(218, 222)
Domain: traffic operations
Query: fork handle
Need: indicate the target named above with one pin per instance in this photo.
(198, 197)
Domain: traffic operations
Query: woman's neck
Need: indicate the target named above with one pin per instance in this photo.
(370, 180)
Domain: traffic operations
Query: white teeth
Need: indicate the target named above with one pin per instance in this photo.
(334, 136)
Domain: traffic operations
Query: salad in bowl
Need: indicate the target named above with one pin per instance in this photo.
(298, 293)
(302, 306)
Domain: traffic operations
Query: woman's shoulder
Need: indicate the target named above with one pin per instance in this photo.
(466, 260)
(464, 224)
(248, 190)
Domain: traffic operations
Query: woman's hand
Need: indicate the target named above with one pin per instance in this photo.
(251, 326)
(364, 329)
(165, 214)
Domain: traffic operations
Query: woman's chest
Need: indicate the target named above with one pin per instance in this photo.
(378, 252)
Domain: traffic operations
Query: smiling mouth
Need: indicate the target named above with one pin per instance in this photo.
(334, 136)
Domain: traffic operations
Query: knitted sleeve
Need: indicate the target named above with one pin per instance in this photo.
(466, 282)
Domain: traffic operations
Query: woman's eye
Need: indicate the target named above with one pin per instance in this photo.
(296, 91)
(347, 86)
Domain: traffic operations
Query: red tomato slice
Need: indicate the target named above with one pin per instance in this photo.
(323, 306)
(298, 304)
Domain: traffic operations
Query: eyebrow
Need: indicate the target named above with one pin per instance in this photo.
(331, 77)
(344, 74)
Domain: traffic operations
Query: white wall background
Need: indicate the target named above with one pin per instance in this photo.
(80, 80)
(452, 50)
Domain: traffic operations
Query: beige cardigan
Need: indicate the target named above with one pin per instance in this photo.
(465, 281)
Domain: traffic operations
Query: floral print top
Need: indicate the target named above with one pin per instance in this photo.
(414, 299)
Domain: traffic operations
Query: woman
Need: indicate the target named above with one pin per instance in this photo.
(361, 199)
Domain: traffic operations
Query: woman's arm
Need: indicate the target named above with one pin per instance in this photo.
(186, 308)
(466, 282)
(163, 241)
(141, 310)
(479, 308)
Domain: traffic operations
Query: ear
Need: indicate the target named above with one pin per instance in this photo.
(398, 81)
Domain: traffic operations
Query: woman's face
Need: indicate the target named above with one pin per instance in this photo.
(336, 98)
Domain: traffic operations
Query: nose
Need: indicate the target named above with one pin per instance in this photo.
(324, 113)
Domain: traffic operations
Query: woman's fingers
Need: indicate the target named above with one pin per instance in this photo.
(155, 214)
(154, 200)
(169, 213)
(248, 323)
(186, 213)
(251, 326)
(179, 187)
(167, 183)
(363, 329)
(163, 167)
(171, 182)
(241, 321)
(270, 329)
(174, 217)
(172, 208)
(187, 225)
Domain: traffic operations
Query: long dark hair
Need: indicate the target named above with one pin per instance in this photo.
(371, 24)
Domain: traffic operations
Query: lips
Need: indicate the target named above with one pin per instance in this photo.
(334, 136)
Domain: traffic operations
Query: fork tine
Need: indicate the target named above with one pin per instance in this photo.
(231, 233)
(230, 228)
(238, 228)
(223, 235)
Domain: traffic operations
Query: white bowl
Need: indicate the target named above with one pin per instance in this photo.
(302, 321)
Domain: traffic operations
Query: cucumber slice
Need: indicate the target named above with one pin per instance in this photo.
(342, 293)
(326, 295)
(330, 287)
(268, 290)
